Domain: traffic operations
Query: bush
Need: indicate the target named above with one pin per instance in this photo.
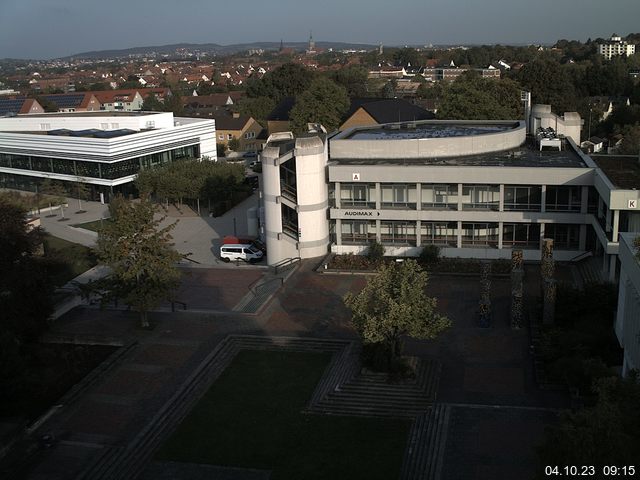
(375, 253)
(430, 254)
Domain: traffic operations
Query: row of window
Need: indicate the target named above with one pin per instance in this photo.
(483, 234)
(104, 170)
(445, 196)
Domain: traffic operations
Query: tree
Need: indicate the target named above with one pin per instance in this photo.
(549, 83)
(140, 256)
(406, 56)
(393, 304)
(288, 80)
(353, 79)
(233, 144)
(152, 104)
(471, 97)
(324, 102)
(604, 434)
(25, 288)
(631, 141)
(25, 295)
(258, 108)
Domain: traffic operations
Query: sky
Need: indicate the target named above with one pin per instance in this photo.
(42, 29)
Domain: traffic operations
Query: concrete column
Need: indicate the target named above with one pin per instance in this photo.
(337, 193)
(541, 235)
(543, 198)
(584, 199)
(612, 267)
(338, 231)
(500, 232)
(378, 200)
(418, 236)
(418, 196)
(459, 198)
(501, 204)
(616, 225)
(378, 235)
(459, 229)
(582, 240)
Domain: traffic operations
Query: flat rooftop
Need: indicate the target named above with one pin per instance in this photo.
(409, 131)
(622, 170)
(527, 155)
(101, 113)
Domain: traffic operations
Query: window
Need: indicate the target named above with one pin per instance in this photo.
(565, 237)
(521, 235)
(482, 197)
(563, 199)
(221, 137)
(398, 233)
(104, 126)
(359, 195)
(249, 135)
(480, 235)
(45, 126)
(357, 232)
(398, 195)
(522, 198)
(229, 136)
(440, 196)
(439, 233)
(289, 221)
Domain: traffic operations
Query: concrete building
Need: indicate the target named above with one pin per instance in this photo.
(627, 324)
(477, 189)
(615, 46)
(105, 150)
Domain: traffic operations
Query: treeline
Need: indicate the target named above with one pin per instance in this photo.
(221, 184)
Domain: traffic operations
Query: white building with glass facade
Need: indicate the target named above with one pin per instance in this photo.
(104, 150)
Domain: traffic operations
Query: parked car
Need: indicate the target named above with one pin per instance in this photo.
(238, 251)
(250, 155)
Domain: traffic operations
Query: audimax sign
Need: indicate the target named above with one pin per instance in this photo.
(361, 213)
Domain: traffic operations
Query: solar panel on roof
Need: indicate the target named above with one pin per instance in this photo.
(11, 105)
(67, 100)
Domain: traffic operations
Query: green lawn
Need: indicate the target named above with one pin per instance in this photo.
(93, 226)
(251, 417)
(66, 260)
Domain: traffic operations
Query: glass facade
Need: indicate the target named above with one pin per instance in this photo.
(439, 233)
(522, 198)
(398, 233)
(565, 237)
(88, 170)
(480, 197)
(480, 235)
(357, 232)
(398, 195)
(358, 195)
(444, 196)
(563, 199)
(521, 235)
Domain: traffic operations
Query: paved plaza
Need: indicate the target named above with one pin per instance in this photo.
(496, 414)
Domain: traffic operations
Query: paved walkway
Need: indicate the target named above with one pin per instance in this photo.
(199, 235)
(486, 378)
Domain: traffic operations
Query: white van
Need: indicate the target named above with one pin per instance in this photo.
(237, 251)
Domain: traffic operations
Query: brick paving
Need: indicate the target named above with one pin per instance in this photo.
(480, 366)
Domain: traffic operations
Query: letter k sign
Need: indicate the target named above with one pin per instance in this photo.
(633, 204)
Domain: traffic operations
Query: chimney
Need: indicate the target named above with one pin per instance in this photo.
(236, 115)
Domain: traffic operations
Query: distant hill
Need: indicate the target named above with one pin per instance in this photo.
(214, 48)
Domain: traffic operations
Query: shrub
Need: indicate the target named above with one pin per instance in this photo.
(430, 254)
(375, 253)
